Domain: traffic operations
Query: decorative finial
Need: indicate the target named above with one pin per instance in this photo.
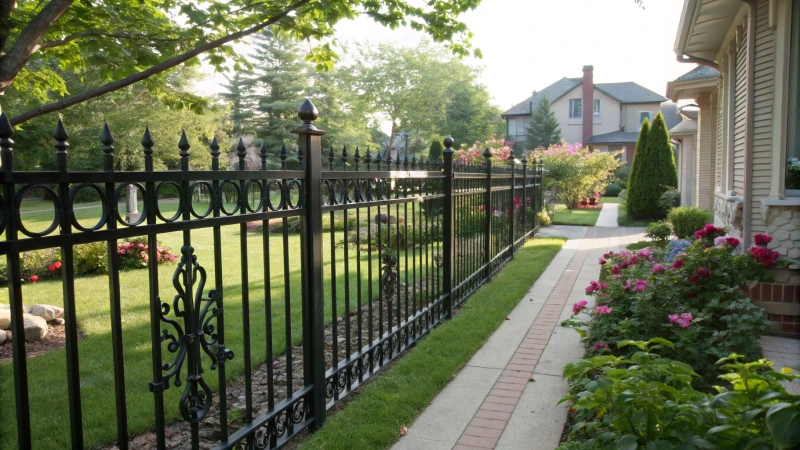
(106, 138)
(183, 145)
(214, 148)
(344, 153)
(263, 154)
(147, 142)
(307, 112)
(448, 143)
(60, 135)
(283, 155)
(487, 153)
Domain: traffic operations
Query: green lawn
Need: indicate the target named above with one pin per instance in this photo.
(585, 217)
(617, 200)
(396, 398)
(622, 215)
(47, 373)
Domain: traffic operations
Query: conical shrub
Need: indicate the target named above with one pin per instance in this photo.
(653, 171)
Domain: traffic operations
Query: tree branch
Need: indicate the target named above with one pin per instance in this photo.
(158, 68)
(83, 34)
(6, 7)
(16, 58)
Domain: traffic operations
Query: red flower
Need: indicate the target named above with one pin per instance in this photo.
(762, 239)
(51, 268)
(57, 264)
(677, 264)
(34, 278)
(700, 274)
(764, 255)
(733, 242)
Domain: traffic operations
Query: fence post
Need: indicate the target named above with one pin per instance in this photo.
(487, 243)
(448, 263)
(524, 200)
(309, 141)
(513, 202)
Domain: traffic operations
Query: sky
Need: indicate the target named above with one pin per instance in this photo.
(529, 44)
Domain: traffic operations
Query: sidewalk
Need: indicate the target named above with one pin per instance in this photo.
(492, 402)
(608, 215)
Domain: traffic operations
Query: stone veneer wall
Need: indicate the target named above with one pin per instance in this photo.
(783, 224)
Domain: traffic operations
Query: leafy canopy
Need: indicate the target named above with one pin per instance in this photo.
(131, 41)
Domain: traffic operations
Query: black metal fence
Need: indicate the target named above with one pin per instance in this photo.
(339, 267)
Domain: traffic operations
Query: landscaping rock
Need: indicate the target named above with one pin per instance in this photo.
(35, 327)
(3, 337)
(5, 319)
(46, 312)
(676, 247)
(58, 321)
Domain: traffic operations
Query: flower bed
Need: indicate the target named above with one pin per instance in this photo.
(665, 347)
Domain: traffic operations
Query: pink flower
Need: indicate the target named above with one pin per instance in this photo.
(599, 346)
(627, 285)
(578, 307)
(700, 274)
(608, 255)
(677, 264)
(684, 320)
(617, 277)
(658, 268)
(602, 310)
(601, 261)
(645, 253)
(57, 264)
(764, 255)
(640, 286)
(594, 286)
(762, 239)
(615, 269)
(733, 242)
(719, 241)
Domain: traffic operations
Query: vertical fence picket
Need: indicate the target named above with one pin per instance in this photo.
(448, 262)
(10, 222)
(107, 139)
(68, 284)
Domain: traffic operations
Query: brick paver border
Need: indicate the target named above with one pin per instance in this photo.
(487, 425)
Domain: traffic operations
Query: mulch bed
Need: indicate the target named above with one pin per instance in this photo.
(55, 339)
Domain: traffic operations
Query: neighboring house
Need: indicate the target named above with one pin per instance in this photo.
(684, 137)
(607, 116)
(748, 126)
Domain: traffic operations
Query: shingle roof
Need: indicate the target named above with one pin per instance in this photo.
(698, 72)
(686, 127)
(672, 115)
(626, 92)
(553, 93)
(615, 137)
(629, 92)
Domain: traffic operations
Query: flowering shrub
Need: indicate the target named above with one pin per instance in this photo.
(644, 400)
(500, 149)
(134, 254)
(696, 301)
(576, 172)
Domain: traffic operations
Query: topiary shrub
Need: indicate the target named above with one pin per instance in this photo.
(612, 190)
(435, 152)
(659, 232)
(686, 220)
(669, 200)
(653, 170)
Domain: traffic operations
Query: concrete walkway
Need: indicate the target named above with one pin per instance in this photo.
(494, 401)
(608, 215)
(506, 396)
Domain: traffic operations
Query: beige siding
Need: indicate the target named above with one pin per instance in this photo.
(764, 93)
(706, 151)
(719, 148)
(686, 173)
(739, 111)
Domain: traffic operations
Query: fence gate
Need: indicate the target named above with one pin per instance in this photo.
(292, 286)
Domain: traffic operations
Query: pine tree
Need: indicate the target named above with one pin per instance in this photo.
(281, 81)
(543, 128)
(239, 94)
(435, 152)
(653, 170)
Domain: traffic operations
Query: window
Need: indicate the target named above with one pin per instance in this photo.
(512, 126)
(645, 115)
(597, 107)
(793, 116)
(575, 108)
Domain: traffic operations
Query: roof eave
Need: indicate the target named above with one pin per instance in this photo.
(687, 90)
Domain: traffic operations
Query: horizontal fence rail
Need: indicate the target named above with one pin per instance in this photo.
(290, 289)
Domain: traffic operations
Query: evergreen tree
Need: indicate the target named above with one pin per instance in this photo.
(435, 152)
(653, 171)
(543, 128)
(239, 93)
(280, 87)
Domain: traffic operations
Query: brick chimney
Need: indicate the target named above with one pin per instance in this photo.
(588, 102)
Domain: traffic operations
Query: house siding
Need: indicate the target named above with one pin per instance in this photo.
(719, 148)
(740, 113)
(764, 96)
(706, 152)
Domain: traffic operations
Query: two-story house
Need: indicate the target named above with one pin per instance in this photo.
(606, 116)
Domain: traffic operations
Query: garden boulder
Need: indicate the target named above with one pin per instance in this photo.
(5, 318)
(3, 337)
(46, 312)
(35, 327)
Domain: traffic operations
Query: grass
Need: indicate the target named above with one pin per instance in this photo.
(584, 217)
(622, 216)
(47, 373)
(396, 398)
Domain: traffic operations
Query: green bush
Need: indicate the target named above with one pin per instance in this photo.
(623, 172)
(435, 152)
(685, 220)
(622, 184)
(669, 200)
(543, 219)
(612, 190)
(653, 171)
(91, 258)
(659, 232)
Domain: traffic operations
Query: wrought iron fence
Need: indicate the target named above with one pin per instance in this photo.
(340, 266)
